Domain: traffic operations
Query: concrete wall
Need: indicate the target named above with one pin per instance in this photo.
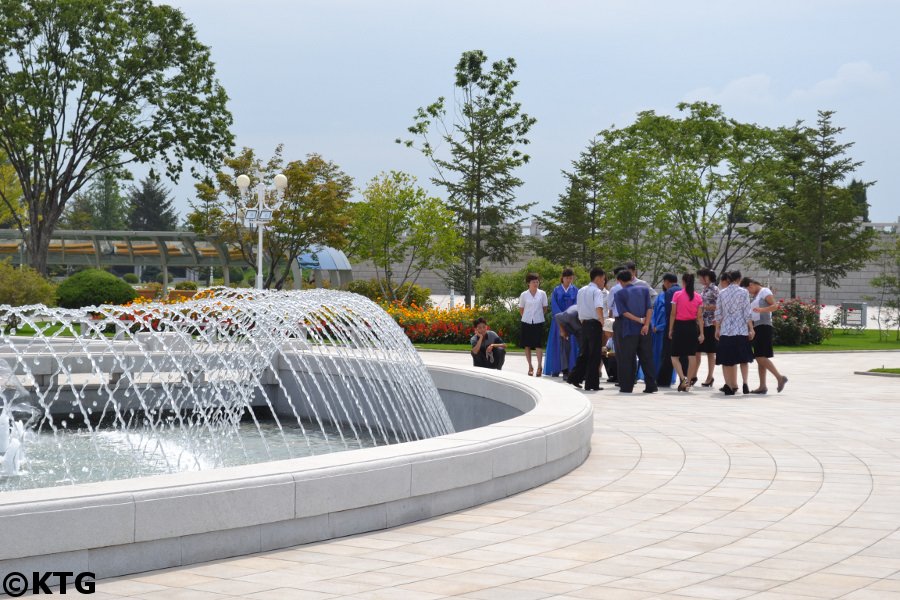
(126, 526)
(854, 287)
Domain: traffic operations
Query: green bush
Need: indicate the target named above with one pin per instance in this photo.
(92, 287)
(798, 323)
(159, 277)
(502, 290)
(130, 278)
(419, 296)
(19, 287)
(186, 285)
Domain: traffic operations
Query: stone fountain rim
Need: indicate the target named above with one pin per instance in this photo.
(184, 516)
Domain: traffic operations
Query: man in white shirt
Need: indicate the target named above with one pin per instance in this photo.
(590, 303)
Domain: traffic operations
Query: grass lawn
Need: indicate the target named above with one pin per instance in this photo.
(840, 340)
(883, 370)
(867, 340)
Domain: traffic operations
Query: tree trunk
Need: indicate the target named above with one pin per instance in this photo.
(37, 240)
(793, 284)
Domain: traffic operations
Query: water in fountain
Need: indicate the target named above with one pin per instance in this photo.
(231, 377)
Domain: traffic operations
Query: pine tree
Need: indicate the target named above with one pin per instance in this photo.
(150, 207)
(572, 227)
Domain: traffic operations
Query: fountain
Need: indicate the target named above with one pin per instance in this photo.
(122, 391)
(157, 435)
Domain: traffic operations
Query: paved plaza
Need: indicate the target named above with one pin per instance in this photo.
(784, 496)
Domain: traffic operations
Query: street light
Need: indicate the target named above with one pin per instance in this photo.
(262, 214)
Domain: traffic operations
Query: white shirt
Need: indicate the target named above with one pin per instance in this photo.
(611, 300)
(589, 299)
(534, 306)
(757, 302)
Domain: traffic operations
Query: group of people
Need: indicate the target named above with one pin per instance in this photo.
(635, 332)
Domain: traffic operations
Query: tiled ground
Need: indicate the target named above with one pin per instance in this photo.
(785, 496)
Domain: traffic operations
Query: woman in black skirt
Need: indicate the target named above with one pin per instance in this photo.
(762, 306)
(686, 330)
(734, 330)
(710, 294)
(532, 306)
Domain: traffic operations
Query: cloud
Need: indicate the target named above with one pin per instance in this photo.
(749, 90)
(850, 77)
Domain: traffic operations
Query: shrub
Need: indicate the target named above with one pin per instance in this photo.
(92, 287)
(130, 278)
(501, 290)
(798, 323)
(186, 285)
(419, 296)
(159, 277)
(19, 287)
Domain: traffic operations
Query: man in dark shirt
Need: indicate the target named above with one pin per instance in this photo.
(633, 304)
(488, 350)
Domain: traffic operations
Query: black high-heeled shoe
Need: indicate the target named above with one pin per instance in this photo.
(693, 381)
(745, 389)
(709, 383)
(729, 391)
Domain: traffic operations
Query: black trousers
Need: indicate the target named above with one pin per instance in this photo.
(634, 346)
(665, 368)
(587, 366)
(481, 359)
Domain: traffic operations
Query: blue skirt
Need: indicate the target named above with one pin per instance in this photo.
(553, 357)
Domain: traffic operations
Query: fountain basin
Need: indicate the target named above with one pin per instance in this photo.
(513, 433)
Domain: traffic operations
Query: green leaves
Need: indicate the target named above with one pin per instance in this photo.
(90, 85)
(398, 226)
(480, 152)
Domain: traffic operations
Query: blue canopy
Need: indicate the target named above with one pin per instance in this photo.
(324, 259)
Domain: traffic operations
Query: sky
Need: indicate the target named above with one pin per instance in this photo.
(343, 78)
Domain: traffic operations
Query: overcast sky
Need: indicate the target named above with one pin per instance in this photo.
(343, 77)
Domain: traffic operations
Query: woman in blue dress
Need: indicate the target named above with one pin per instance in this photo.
(561, 353)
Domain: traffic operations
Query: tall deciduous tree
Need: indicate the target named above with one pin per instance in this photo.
(88, 86)
(398, 223)
(314, 210)
(150, 207)
(475, 156)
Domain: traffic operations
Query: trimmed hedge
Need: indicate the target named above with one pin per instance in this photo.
(93, 287)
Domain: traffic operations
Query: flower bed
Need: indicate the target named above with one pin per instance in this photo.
(436, 325)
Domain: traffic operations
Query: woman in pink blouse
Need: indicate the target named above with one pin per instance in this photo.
(686, 330)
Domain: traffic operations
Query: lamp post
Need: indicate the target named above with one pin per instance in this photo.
(262, 214)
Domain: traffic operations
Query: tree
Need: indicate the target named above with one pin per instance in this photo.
(836, 241)
(887, 284)
(101, 206)
(110, 210)
(483, 142)
(397, 223)
(10, 190)
(858, 191)
(784, 248)
(314, 210)
(150, 208)
(572, 227)
(87, 86)
(79, 214)
(713, 172)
